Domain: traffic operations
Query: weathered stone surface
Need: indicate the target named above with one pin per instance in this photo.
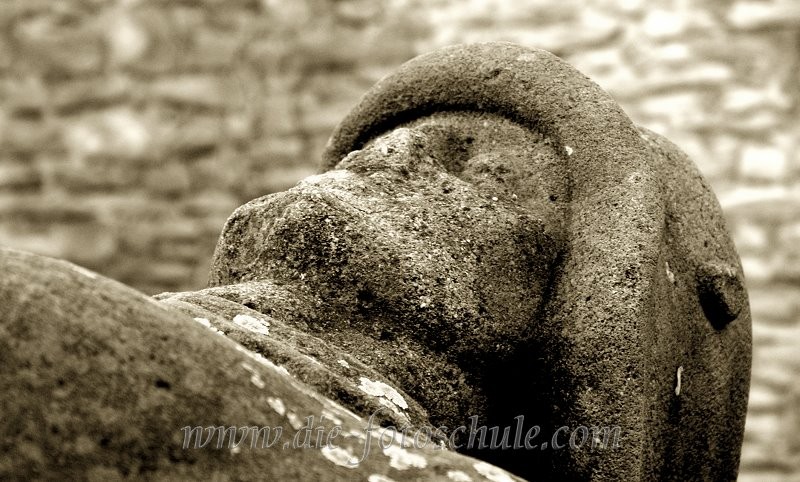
(624, 314)
(99, 380)
(740, 57)
(493, 237)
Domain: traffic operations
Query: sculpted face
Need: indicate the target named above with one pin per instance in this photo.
(444, 227)
(497, 238)
(493, 238)
(428, 254)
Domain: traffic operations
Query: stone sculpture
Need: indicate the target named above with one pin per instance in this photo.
(492, 242)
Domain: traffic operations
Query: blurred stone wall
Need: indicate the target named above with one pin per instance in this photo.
(130, 129)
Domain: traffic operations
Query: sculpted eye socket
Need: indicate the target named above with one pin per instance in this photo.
(499, 157)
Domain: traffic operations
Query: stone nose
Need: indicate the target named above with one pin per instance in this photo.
(401, 152)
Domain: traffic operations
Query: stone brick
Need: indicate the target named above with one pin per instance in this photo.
(177, 229)
(742, 99)
(33, 240)
(279, 180)
(25, 97)
(88, 243)
(19, 175)
(214, 205)
(191, 137)
(701, 147)
(697, 76)
(138, 238)
(278, 151)
(598, 63)
(170, 180)
(217, 173)
(749, 15)
(279, 115)
(673, 54)
(95, 177)
(767, 203)
(660, 24)
(240, 128)
(166, 273)
(358, 12)
(790, 269)
(90, 94)
(127, 39)
(750, 238)
(772, 372)
(776, 303)
(182, 252)
(724, 152)
(267, 55)
(29, 136)
(326, 99)
(214, 48)
(60, 46)
(762, 121)
(758, 269)
(38, 211)
(789, 238)
(769, 335)
(678, 108)
(166, 41)
(758, 474)
(330, 48)
(121, 133)
(763, 162)
(156, 277)
(761, 426)
(6, 52)
(592, 28)
(197, 90)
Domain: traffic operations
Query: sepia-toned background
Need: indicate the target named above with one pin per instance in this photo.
(130, 129)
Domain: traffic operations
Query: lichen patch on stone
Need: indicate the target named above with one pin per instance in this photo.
(492, 473)
(294, 420)
(260, 358)
(390, 436)
(359, 434)
(204, 322)
(527, 57)
(84, 271)
(380, 389)
(402, 459)
(255, 378)
(458, 476)
(340, 456)
(379, 478)
(277, 405)
(253, 324)
(670, 274)
(331, 416)
(207, 324)
(403, 418)
(337, 174)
